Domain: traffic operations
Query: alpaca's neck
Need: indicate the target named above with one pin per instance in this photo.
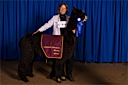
(72, 24)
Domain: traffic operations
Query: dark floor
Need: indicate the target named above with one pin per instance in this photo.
(83, 73)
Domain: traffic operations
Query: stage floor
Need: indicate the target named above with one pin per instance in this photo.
(83, 73)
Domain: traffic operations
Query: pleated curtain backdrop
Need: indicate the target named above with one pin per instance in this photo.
(104, 36)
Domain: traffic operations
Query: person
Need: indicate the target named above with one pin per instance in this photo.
(62, 11)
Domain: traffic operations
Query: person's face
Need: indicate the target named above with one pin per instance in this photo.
(63, 9)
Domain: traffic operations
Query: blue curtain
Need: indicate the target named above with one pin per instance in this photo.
(104, 37)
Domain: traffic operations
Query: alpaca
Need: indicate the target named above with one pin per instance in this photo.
(30, 47)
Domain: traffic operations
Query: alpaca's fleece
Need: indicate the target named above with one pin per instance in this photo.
(30, 47)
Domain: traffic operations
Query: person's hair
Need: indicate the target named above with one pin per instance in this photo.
(67, 10)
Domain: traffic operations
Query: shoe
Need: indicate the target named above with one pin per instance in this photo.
(50, 76)
(69, 77)
(63, 78)
(58, 80)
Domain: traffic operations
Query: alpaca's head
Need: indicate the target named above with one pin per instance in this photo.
(79, 13)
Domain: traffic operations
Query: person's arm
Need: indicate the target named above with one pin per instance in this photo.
(36, 32)
(45, 26)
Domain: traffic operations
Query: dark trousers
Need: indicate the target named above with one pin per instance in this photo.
(69, 66)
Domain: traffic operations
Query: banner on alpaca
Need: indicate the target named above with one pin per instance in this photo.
(52, 45)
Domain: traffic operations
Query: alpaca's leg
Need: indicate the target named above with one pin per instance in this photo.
(58, 71)
(25, 66)
(30, 66)
(22, 71)
(63, 73)
(52, 73)
(30, 70)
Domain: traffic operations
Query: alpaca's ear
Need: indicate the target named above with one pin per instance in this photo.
(74, 9)
(83, 11)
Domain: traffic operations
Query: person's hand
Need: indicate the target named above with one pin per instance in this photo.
(36, 32)
(74, 31)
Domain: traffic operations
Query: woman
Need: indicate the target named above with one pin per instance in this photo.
(62, 11)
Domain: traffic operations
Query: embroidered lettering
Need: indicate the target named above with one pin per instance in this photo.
(56, 53)
(56, 50)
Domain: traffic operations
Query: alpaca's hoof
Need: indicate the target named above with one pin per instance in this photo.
(31, 75)
(25, 80)
(50, 76)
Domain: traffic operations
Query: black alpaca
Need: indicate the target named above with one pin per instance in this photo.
(30, 47)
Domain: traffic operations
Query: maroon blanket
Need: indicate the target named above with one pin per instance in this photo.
(52, 45)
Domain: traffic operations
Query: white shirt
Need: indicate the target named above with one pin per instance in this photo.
(53, 22)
